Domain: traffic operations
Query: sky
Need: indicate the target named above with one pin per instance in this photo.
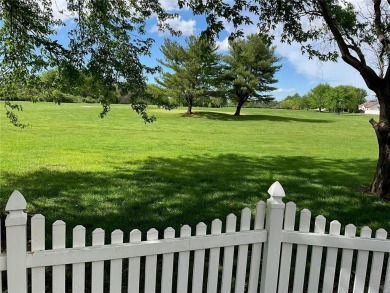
(297, 75)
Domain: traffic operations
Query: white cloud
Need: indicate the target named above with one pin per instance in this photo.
(223, 45)
(60, 10)
(334, 73)
(187, 27)
(169, 5)
(283, 90)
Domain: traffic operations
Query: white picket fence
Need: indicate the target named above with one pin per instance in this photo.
(267, 255)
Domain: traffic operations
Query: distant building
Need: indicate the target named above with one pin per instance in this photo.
(369, 108)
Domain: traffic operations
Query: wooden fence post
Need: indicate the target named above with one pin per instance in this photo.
(274, 223)
(16, 235)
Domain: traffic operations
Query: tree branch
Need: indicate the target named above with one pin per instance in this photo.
(381, 63)
(372, 121)
(355, 47)
(366, 72)
(378, 22)
(379, 27)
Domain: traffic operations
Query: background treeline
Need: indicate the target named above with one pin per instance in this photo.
(342, 98)
(58, 85)
(80, 87)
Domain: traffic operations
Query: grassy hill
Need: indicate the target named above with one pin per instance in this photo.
(118, 172)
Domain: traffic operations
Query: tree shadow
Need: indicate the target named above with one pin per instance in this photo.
(162, 192)
(262, 117)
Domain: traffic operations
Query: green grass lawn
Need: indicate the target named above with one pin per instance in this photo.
(118, 172)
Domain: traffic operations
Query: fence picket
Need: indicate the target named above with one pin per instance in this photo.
(242, 257)
(386, 287)
(97, 279)
(16, 239)
(227, 272)
(274, 227)
(59, 231)
(116, 265)
(212, 279)
(134, 265)
(285, 260)
(376, 265)
(167, 269)
(151, 265)
(256, 250)
(198, 270)
(331, 257)
(78, 270)
(300, 263)
(361, 264)
(346, 262)
(316, 257)
(38, 243)
(184, 260)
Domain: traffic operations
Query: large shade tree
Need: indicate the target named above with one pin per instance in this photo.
(105, 38)
(357, 31)
(250, 70)
(192, 69)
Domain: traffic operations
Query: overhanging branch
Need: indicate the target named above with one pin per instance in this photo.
(367, 72)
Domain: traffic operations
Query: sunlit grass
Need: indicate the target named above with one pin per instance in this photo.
(118, 172)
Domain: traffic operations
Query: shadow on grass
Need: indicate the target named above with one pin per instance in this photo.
(263, 117)
(162, 192)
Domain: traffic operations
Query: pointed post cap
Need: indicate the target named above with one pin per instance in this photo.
(277, 192)
(15, 207)
(16, 202)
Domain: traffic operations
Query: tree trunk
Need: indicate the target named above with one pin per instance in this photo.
(238, 109)
(189, 108)
(381, 183)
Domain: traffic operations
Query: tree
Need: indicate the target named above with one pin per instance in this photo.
(344, 98)
(106, 40)
(80, 84)
(338, 99)
(293, 102)
(306, 102)
(193, 69)
(287, 104)
(250, 70)
(160, 97)
(357, 96)
(360, 35)
(318, 95)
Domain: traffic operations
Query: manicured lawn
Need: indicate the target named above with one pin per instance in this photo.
(118, 172)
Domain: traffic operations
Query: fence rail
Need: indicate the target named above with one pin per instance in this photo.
(266, 255)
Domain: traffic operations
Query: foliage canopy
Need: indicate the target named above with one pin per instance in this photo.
(106, 40)
(250, 70)
(193, 67)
